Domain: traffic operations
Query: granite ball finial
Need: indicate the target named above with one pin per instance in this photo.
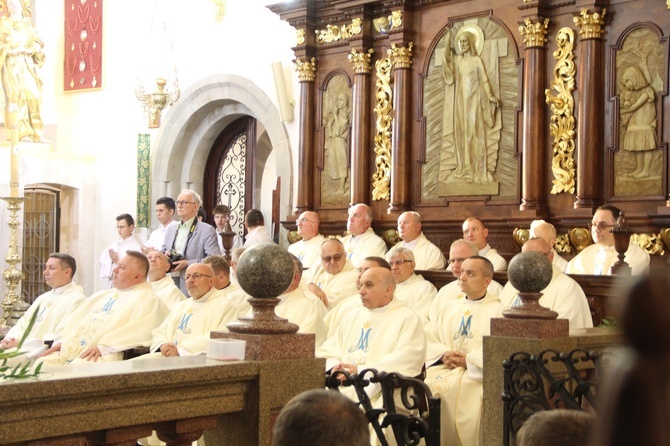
(529, 272)
(265, 271)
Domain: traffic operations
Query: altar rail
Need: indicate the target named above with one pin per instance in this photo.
(117, 403)
(601, 292)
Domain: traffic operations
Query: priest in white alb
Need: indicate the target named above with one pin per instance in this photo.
(186, 330)
(426, 254)
(411, 288)
(383, 333)
(455, 356)
(362, 242)
(112, 321)
(335, 278)
(162, 284)
(52, 307)
(308, 250)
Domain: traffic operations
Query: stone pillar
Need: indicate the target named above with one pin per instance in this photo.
(534, 129)
(401, 60)
(591, 109)
(360, 127)
(306, 74)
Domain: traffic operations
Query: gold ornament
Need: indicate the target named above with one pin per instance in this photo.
(534, 34)
(381, 179)
(306, 70)
(361, 61)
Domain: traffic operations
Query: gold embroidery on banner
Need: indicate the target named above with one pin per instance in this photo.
(381, 179)
(562, 126)
(300, 36)
(306, 70)
(590, 25)
(650, 243)
(361, 61)
(333, 33)
(534, 34)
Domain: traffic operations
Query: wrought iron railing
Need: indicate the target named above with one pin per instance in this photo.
(548, 380)
(417, 418)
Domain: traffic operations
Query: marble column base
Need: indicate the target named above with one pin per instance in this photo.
(530, 328)
(273, 347)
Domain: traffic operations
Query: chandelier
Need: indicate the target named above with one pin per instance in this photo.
(157, 85)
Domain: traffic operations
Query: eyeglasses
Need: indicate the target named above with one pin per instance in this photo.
(121, 227)
(336, 257)
(600, 225)
(184, 203)
(399, 262)
(452, 261)
(195, 276)
(302, 220)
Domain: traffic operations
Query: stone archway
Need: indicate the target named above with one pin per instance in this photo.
(193, 123)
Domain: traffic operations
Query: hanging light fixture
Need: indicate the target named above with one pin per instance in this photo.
(157, 85)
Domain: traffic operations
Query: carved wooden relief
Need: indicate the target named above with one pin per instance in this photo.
(469, 96)
(640, 78)
(336, 121)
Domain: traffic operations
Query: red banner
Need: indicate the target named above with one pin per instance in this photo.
(83, 45)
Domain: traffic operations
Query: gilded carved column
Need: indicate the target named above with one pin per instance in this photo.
(401, 60)
(360, 127)
(591, 109)
(306, 73)
(533, 159)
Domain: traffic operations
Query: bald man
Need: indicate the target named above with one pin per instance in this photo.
(475, 232)
(114, 320)
(335, 278)
(426, 254)
(308, 249)
(563, 294)
(162, 284)
(362, 242)
(547, 232)
(383, 333)
(411, 288)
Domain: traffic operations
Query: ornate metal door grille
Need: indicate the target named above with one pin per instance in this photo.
(41, 237)
(230, 180)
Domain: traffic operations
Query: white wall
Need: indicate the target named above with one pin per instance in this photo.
(97, 130)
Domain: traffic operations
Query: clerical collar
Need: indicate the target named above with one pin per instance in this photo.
(478, 299)
(61, 289)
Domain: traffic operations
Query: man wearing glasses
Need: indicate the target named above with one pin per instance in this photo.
(598, 258)
(185, 332)
(563, 294)
(411, 288)
(459, 251)
(191, 240)
(335, 278)
(308, 250)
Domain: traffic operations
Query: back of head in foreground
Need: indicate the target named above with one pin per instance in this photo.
(321, 418)
(556, 428)
(634, 405)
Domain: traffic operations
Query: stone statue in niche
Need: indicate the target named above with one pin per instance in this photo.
(471, 124)
(640, 78)
(337, 125)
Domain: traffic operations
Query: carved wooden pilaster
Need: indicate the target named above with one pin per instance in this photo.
(306, 74)
(591, 109)
(360, 127)
(533, 160)
(401, 58)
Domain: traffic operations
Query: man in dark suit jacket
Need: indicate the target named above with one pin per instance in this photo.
(192, 239)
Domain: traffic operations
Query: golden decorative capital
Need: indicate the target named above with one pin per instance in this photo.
(300, 36)
(361, 61)
(401, 57)
(534, 33)
(333, 33)
(590, 25)
(306, 70)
